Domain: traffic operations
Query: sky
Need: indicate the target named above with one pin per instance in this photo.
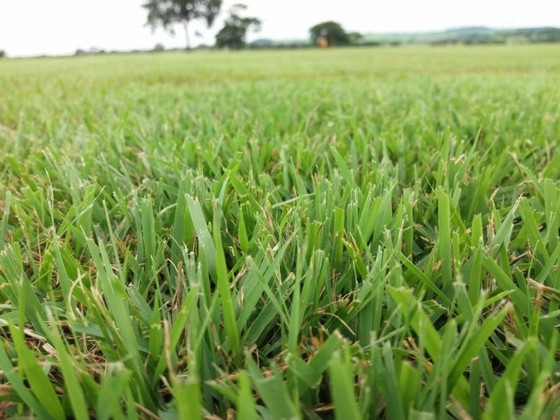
(56, 27)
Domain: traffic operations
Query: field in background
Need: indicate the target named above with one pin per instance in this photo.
(358, 232)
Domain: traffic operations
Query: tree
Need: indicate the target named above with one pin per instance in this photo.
(355, 37)
(330, 31)
(2, 54)
(234, 32)
(168, 13)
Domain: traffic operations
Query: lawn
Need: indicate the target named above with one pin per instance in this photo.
(352, 233)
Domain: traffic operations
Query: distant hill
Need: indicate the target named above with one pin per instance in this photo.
(469, 35)
(465, 35)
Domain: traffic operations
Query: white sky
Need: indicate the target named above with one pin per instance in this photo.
(31, 27)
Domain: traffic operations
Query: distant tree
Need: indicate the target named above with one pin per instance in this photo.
(330, 31)
(158, 48)
(234, 32)
(355, 37)
(168, 13)
(2, 54)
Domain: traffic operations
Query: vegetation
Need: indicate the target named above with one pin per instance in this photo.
(168, 13)
(234, 32)
(357, 233)
(464, 36)
(331, 31)
(158, 48)
(470, 35)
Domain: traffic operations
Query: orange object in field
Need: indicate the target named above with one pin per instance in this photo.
(323, 42)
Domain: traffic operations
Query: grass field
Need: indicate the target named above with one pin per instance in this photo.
(293, 234)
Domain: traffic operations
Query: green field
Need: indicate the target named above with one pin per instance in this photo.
(353, 233)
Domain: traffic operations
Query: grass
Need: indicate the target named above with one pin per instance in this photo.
(300, 234)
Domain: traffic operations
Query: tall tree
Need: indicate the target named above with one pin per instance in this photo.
(330, 31)
(168, 13)
(234, 32)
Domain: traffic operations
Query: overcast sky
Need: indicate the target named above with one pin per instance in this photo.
(32, 27)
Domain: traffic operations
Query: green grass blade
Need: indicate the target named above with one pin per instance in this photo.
(342, 388)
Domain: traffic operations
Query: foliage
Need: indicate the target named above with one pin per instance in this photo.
(355, 38)
(234, 32)
(168, 13)
(295, 234)
(332, 31)
(2, 54)
(472, 36)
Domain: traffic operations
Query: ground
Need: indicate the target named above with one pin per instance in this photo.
(360, 232)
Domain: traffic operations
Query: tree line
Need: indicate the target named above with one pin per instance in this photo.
(169, 14)
(233, 34)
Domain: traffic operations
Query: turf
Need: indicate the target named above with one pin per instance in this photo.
(354, 233)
